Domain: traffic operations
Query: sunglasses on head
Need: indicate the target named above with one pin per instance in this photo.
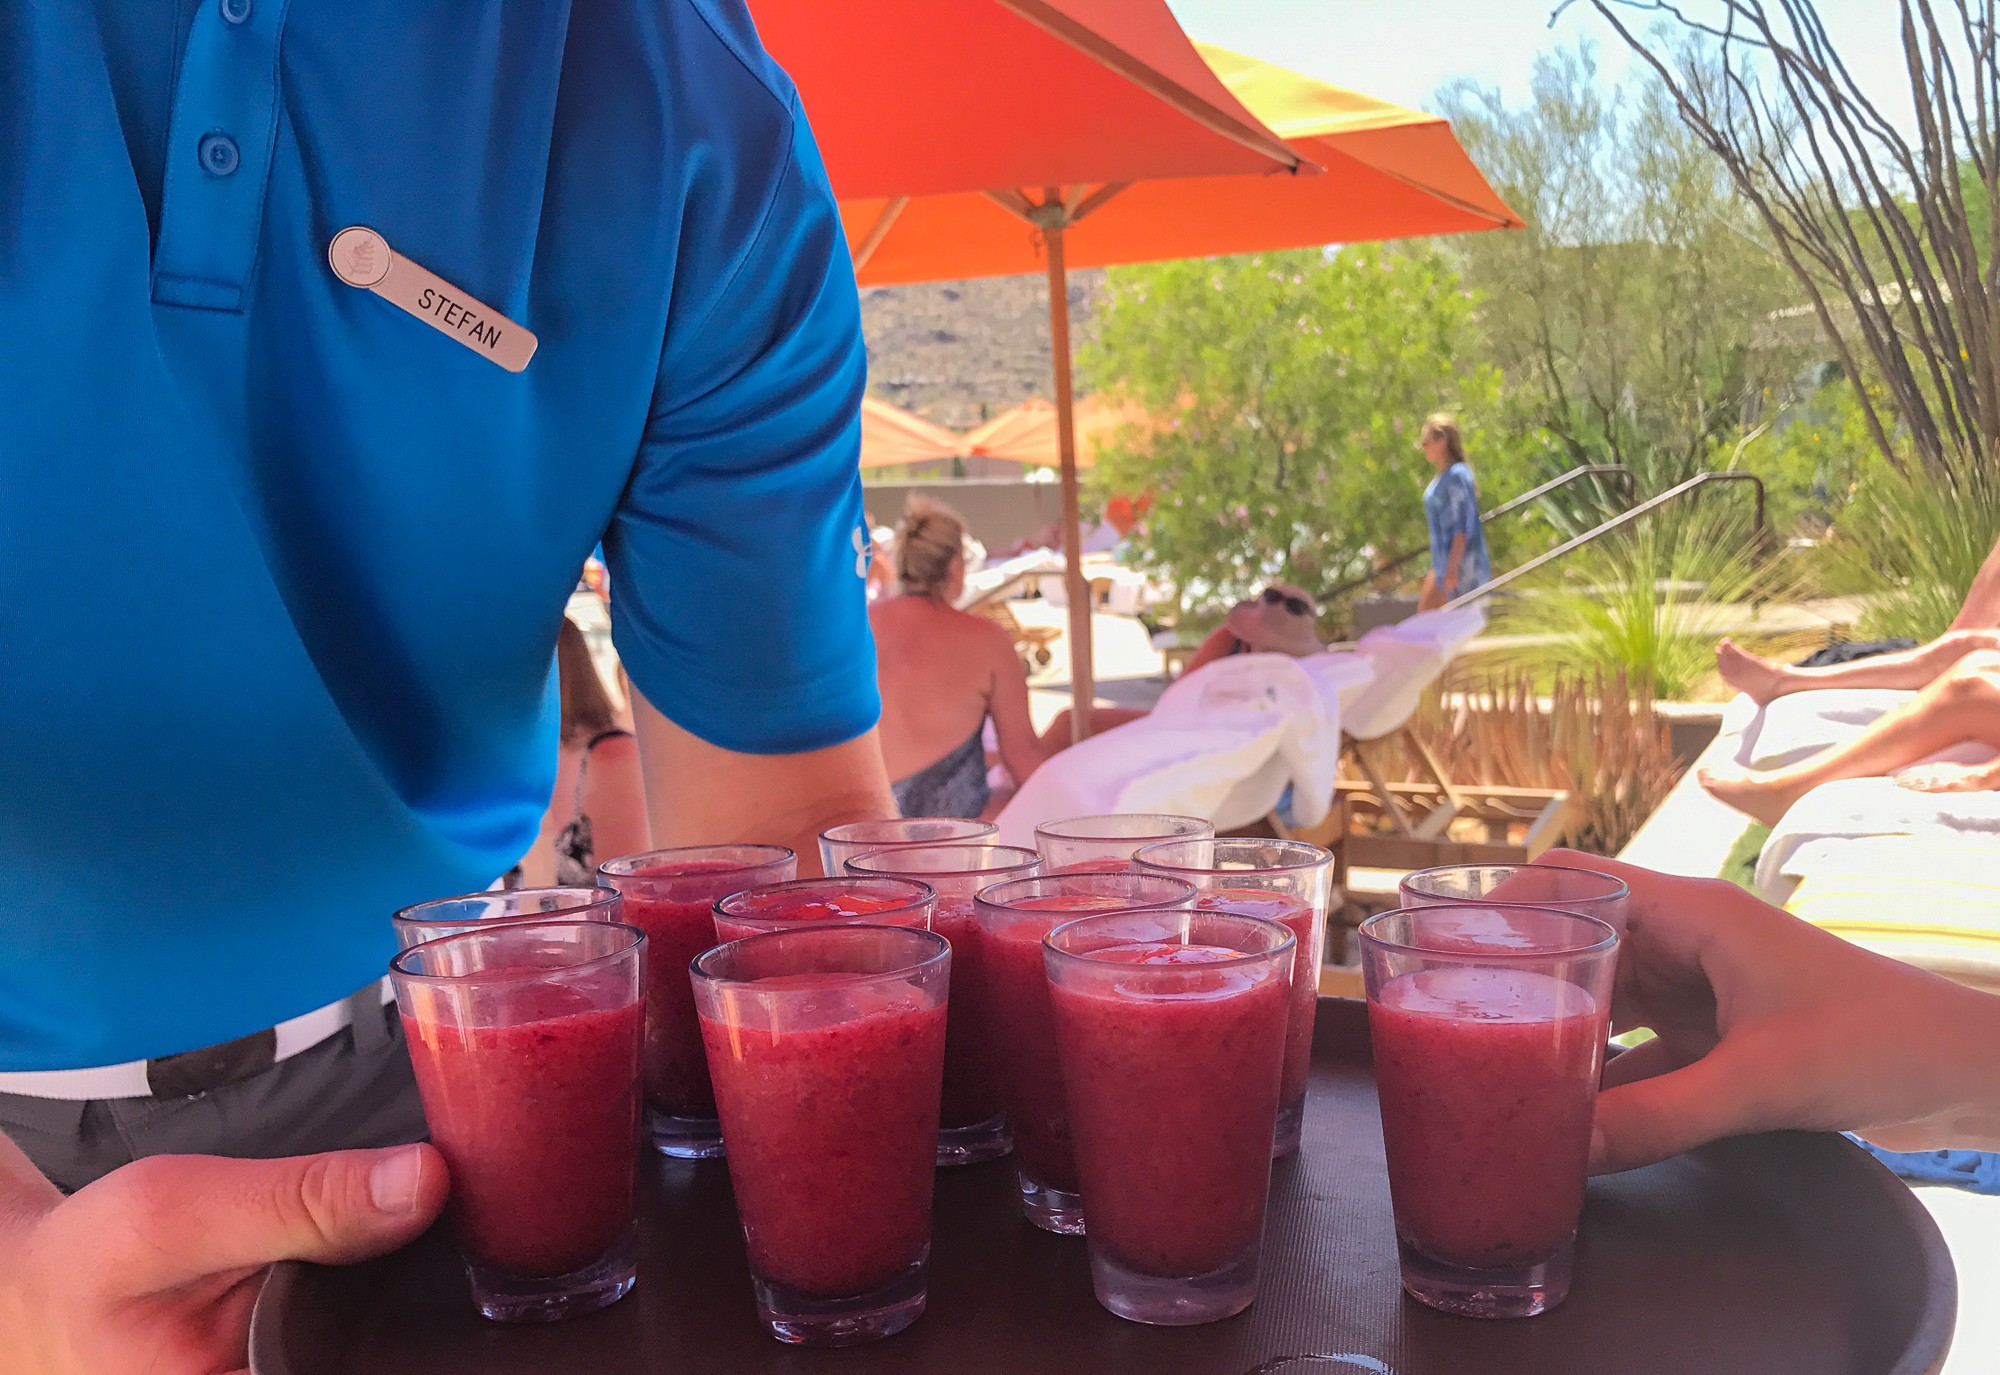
(1298, 606)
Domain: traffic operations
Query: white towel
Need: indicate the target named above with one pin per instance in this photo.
(1807, 839)
(1801, 724)
(1408, 657)
(1224, 742)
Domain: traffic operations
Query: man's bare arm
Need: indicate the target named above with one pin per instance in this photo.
(702, 794)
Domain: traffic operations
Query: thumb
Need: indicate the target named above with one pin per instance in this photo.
(172, 1219)
(1646, 1120)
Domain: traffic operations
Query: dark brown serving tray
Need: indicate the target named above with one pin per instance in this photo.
(1767, 1255)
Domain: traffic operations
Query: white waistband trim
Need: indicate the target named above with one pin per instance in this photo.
(129, 1079)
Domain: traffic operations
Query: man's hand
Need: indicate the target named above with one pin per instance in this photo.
(153, 1269)
(1766, 1022)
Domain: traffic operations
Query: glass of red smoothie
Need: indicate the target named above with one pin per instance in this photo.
(1013, 918)
(1106, 844)
(972, 1126)
(670, 895)
(428, 921)
(839, 844)
(1488, 1024)
(826, 1045)
(1285, 881)
(525, 1038)
(844, 900)
(1171, 1031)
(1535, 885)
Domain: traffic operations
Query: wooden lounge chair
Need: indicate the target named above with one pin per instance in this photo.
(1031, 643)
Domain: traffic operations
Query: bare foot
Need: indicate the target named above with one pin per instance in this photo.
(1948, 778)
(1758, 679)
(1749, 792)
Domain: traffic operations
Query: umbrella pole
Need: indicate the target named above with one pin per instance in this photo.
(1082, 679)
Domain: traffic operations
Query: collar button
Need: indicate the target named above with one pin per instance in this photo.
(219, 154)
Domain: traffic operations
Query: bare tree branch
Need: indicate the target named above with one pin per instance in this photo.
(1894, 239)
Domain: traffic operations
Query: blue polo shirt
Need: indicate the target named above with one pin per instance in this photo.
(281, 566)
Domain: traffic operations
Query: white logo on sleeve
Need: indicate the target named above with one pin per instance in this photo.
(864, 550)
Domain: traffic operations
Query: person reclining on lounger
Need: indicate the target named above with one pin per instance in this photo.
(1961, 706)
(1956, 679)
(1975, 629)
(1281, 619)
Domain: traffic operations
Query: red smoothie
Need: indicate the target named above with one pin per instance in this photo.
(836, 907)
(970, 1094)
(1487, 1080)
(538, 1122)
(832, 1134)
(1023, 1036)
(1289, 912)
(677, 931)
(1173, 1096)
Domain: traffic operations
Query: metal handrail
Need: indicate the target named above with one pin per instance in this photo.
(1693, 484)
(1504, 508)
(1587, 470)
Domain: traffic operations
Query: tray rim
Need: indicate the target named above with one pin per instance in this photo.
(1927, 1351)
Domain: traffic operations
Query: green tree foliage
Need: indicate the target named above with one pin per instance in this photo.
(1626, 318)
(1813, 457)
(1290, 387)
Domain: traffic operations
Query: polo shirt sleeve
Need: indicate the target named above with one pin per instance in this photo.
(738, 552)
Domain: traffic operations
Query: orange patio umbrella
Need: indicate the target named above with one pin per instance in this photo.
(1384, 171)
(1027, 433)
(891, 437)
(913, 99)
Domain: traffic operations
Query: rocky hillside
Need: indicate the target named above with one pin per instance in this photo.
(961, 352)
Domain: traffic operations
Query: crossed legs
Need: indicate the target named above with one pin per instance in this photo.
(1961, 703)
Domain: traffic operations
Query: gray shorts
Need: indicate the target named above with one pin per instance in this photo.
(353, 1089)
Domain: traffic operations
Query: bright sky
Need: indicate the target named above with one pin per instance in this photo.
(1402, 50)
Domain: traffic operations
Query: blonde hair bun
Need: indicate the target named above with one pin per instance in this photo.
(930, 537)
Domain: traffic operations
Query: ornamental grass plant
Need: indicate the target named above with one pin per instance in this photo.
(1909, 547)
(1646, 603)
(1594, 736)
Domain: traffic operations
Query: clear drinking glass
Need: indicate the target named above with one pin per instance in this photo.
(1285, 881)
(1171, 1029)
(670, 895)
(1106, 844)
(1535, 885)
(819, 901)
(525, 1038)
(1488, 1023)
(826, 1044)
(973, 1126)
(1013, 918)
(839, 844)
(427, 921)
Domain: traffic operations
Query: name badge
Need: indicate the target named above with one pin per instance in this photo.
(361, 257)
